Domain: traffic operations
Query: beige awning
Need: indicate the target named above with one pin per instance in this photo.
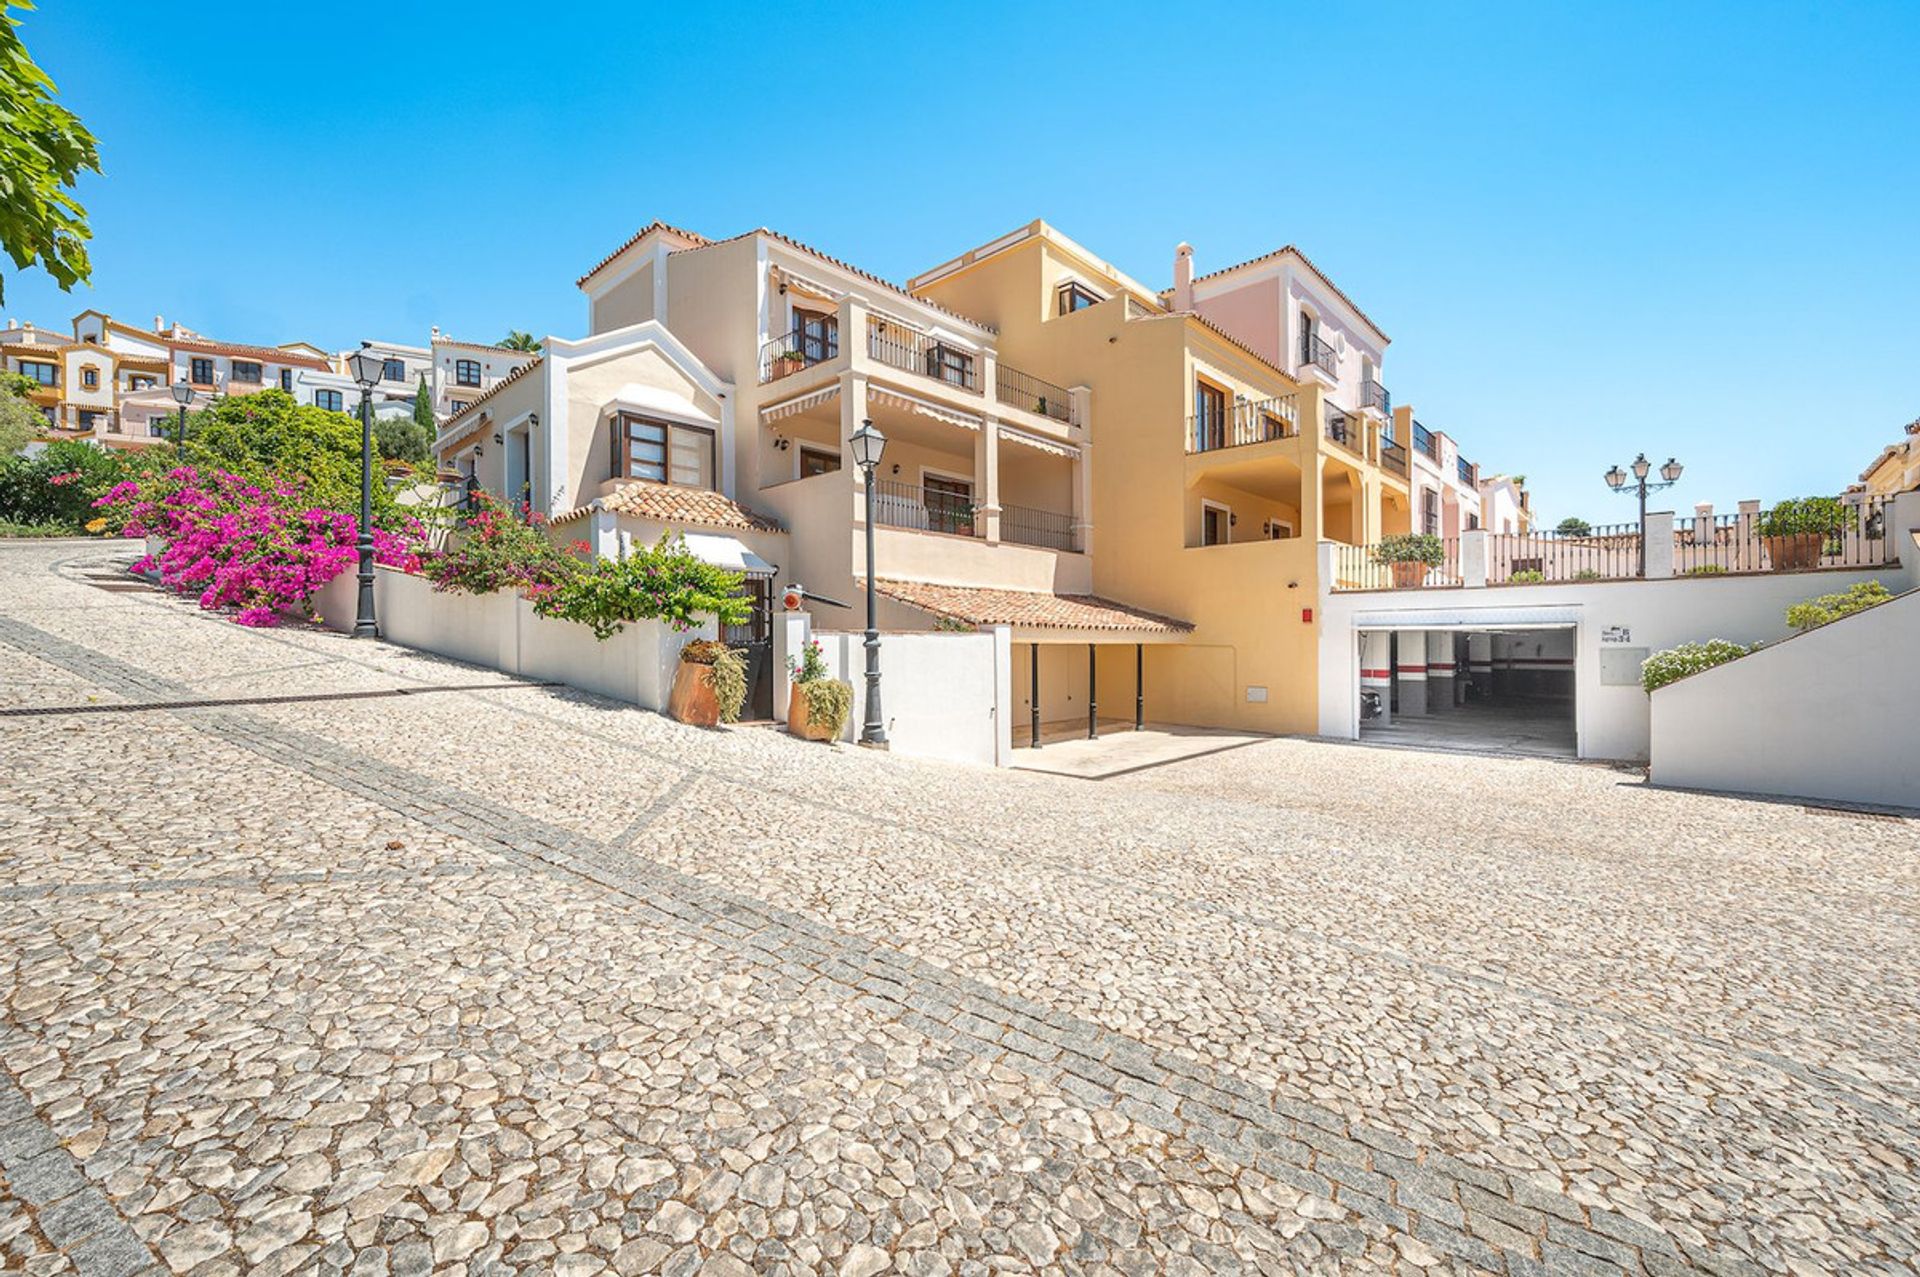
(1026, 440)
(926, 408)
(799, 403)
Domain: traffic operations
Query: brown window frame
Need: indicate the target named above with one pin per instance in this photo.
(1223, 515)
(460, 368)
(816, 334)
(331, 400)
(90, 377)
(622, 441)
(31, 367)
(1072, 291)
(1210, 395)
(822, 454)
(197, 365)
(258, 373)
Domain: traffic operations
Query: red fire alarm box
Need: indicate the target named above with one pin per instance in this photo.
(1306, 616)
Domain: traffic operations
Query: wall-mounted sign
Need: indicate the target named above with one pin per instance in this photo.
(1616, 634)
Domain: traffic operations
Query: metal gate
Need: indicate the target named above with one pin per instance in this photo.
(755, 638)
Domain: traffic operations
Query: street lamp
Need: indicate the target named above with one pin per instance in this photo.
(366, 367)
(868, 444)
(182, 395)
(1617, 479)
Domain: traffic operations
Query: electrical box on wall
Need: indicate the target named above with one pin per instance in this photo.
(1256, 696)
(1306, 616)
(1620, 666)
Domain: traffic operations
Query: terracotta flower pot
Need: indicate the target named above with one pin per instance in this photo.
(693, 700)
(1409, 576)
(800, 717)
(1792, 553)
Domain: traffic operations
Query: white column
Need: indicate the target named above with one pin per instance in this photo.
(853, 411)
(1473, 558)
(792, 631)
(1376, 673)
(986, 469)
(603, 533)
(1439, 670)
(1410, 670)
(1480, 662)
(1080, 401)
(1657, 535)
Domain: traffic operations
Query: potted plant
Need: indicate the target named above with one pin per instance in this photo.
(788, 362)
(710, 686)
(1410, 556)
(1795, 531)
(818, 706)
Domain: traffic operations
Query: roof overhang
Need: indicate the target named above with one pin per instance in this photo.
(1469, 618)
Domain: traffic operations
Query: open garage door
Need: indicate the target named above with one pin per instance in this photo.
(1505, 689)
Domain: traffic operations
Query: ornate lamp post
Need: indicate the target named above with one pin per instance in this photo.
(182, 395)
(1616, 479)
(366, 367)
(868, 444)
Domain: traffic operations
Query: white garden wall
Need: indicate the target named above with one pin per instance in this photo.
(501, 632)
(1833, 713)
(944, 695)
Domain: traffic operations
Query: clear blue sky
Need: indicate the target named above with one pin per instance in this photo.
(1589, 229)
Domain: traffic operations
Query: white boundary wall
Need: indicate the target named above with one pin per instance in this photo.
(945, 695)
(501, 632)
(1613, 720)
(1833, 713)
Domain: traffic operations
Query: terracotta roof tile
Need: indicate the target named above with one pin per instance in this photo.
(1308, 261)
(671, 503)
(272, 354)
(642, 233)
(493, 390)
(978, 605)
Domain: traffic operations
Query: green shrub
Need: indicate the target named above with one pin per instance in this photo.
(1705, 569)
(1813, 613)
(57, 486)
(1574, 526)
(1800, 515)
(666, 583)
(1409, 547)
(1527, 576)
(729, 676)
(402, 439)
(1689, 658)
(496, 550)
(829, 701)
(1589, 574)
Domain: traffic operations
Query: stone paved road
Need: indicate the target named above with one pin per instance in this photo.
(510, 980)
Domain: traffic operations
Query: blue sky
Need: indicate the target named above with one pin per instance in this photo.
(1590, 230)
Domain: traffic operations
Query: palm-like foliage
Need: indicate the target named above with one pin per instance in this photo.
(517, 340)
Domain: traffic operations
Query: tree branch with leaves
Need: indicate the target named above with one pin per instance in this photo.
(43, 150)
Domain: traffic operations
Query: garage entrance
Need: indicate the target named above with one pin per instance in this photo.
(1506, 690)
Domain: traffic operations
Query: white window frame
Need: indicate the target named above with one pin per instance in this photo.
(1208, 503)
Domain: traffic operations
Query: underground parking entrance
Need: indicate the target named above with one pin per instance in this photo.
(1477, 688)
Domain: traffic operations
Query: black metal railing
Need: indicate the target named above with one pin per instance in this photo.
(1315, 351)
(1393, 458)
(1374, 395)
(1024, 390)
(1343, 429)
(1424, 443)
(898, 346)
(1709, 545)
(1245, 422)
(907, 505)
(1607, 553)
(788, 353)
(1046, 528)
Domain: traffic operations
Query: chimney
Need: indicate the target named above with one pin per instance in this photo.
(1183, 277)
(12, 324)
(436, 332)
(159, 323)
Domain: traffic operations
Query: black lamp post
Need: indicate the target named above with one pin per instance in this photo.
(868, 444)
(1616, 479)
(182, 395)
(366, 367)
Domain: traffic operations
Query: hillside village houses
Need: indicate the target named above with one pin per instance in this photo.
(113, 383)
(1132, 481)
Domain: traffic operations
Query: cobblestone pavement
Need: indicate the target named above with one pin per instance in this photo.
(508, 979)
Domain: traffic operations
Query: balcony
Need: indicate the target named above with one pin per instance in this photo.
(1469, 473)
(906, 505)
(1425, 444)
(1025, 391)
(802, 348)
(1374, 395)
(1316, 353)
(1344, 430)
(1393, 458)
(1246, 422)
(898, 346)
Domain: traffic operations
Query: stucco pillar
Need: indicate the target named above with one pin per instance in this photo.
(853, 411)
(1376, 674)
(852, 315)
(1747, 556)
(986, 469)
(1083, 499)
(1440, 671)
(1410, 670)
(1480, 663)
(1312, 523)
(603, 533)
(1657, 535)
(791, 633)
(1370, 494)
(1473, 559)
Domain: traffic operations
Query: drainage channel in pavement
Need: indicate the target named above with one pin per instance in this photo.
(43, 711)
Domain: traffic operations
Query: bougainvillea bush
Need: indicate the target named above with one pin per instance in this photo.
(260, 549)
(497, 549)
(666, 582)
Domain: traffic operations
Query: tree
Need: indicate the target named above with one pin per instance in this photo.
(1573, 526)
(517, 340)
(402, 439)
(43, 150)
(20, 422)
(423, 407)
